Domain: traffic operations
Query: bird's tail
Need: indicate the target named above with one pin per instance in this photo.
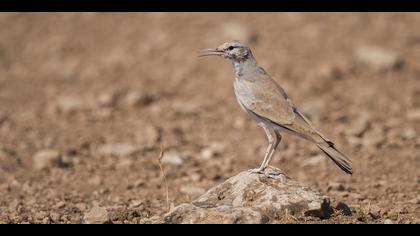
(339, 158)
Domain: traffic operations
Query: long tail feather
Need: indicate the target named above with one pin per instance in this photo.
(339, 158)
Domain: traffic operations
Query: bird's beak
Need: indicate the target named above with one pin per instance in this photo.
(211, 52)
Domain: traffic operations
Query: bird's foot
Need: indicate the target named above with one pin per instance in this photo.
(265, 171)
(257, 171)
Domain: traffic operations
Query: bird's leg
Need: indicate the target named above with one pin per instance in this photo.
(276, 143)
(267, 152)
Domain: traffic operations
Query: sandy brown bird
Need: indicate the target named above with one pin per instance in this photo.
(265, 101)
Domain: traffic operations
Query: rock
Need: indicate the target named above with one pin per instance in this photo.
(55, 216)
(45, 159)
(375, 212)
(359, 126)
(250, 198)
(388, 222)
(68, 104)
(378, 58)
(374, 137)
(413, 115)
(409, 134)
(172, 158)
(59, 204)
(137, 98)
(97, 215)
(191, 190)
(118, 149)
(148, 136)
(40, 215)
(207, 153)
(106, 99)
(345, 210)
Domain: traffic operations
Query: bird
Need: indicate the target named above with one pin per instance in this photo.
(268, 104)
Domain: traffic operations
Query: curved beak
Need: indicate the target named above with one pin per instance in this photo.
(210, 52)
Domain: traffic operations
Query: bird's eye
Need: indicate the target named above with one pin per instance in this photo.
(230, 48)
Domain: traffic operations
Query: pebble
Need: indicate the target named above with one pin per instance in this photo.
(375, 212)
(388, 222)
(345, 210)
(106, 99)
(118, 149)
(55, 216)
(172, 158)
(147, 136)
(413, 115)
(46, 159)
(97, 215)
(378, 58)
(60, 204)
(68, 104)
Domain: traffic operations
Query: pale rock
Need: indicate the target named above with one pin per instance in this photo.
(118, 149)
(172, 158)
(97, 215)
(251, 198)
(413, 115)
(45, 159)
(378, 58)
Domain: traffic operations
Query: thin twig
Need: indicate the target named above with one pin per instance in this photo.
(163, 176)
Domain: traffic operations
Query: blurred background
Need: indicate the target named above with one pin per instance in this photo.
(86, 100)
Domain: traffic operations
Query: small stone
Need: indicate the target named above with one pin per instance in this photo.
(375, 212)
(388, 222)
(409, 134)
(55, 216)
(360, 126)
(378, 58)
(46, 220)
(81, 206)
(374, 137)
(148, 136)
(106, 99)
(345, 210)
(239, 123)
(135, 203)
(207, 153)
(191, 190)
(46, 159)
(97, 215)
(60, 204)
(413, 115)
(68, 104)
(136, 98)
(118, 149)
(40, 215)
(172, 157)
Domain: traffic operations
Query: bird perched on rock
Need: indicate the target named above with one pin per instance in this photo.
(265, 101)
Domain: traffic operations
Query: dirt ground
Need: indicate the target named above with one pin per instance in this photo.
(87, 99)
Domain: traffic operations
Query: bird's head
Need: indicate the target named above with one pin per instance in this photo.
(233, 50)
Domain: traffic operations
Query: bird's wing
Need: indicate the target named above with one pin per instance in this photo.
(265, 98)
